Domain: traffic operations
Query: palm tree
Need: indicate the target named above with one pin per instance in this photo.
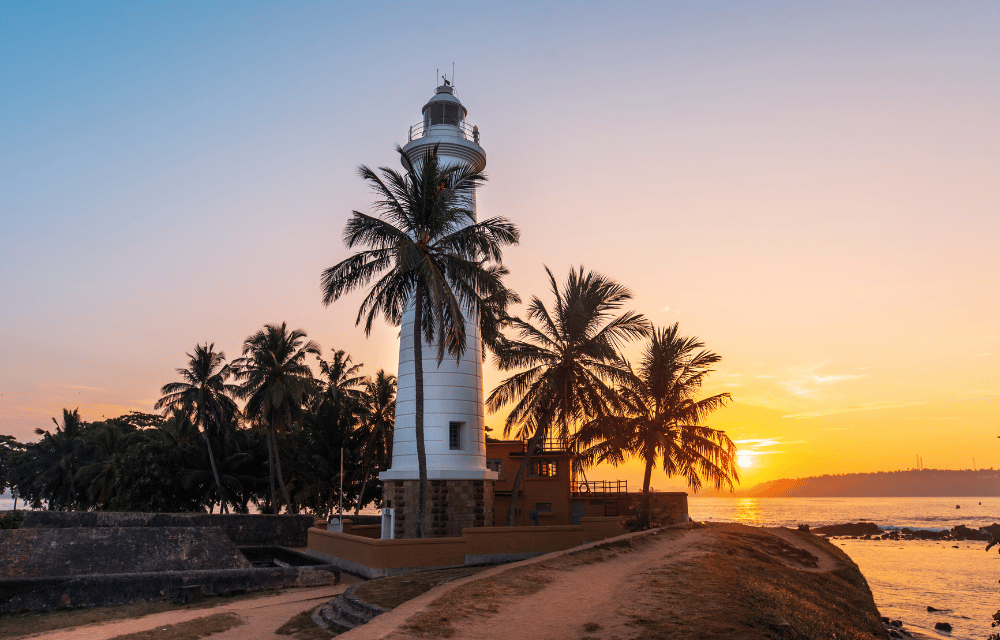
(100, 476)
(205, 398)
(60, 455)
(430, 255)
(276, 382)
(662, 420)
(570, 356)
(342, 376)
(379, 411)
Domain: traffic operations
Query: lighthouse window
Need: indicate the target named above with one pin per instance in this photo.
(443, 113)
(455, 435)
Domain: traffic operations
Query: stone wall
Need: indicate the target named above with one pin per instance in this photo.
(258, 530)
(668, 507)
(42, 569)
(39, 553)
(44, 594)
(452, 505)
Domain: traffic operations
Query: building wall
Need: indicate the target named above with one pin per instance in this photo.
(535, 491)
(668, 507)
(375, 558)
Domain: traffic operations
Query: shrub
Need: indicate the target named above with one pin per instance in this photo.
(640, 516)
(11, 519)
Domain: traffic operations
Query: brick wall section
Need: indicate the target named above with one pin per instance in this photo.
(452, 505)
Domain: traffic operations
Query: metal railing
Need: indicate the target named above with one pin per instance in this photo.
(599, 486)
(552, 443)
(467, 131)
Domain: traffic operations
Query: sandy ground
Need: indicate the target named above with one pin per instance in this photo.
(262, 616)
(588, 593)
(589, 601)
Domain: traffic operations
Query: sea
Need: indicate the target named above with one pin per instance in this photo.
(905, 577)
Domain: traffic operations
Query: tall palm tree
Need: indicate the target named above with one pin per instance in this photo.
(276, 382)
(430, 255)
(205, 398)
(663, 421)
(571, 361)
(60, 456)
(379, 411)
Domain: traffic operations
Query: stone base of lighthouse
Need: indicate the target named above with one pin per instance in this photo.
(452, 505)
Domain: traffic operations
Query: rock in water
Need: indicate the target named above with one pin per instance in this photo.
(942, 626)
(931, 609)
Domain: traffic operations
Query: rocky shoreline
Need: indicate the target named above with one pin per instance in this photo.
(871, 531)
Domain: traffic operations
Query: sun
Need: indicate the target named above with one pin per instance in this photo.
(744, 459)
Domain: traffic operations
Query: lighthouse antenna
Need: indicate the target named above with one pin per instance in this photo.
(453, 74)
(437, 77)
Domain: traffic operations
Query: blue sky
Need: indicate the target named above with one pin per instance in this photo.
(809, 187)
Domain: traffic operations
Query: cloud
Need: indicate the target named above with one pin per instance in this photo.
(867, 406)
(83, 388)
(802, 385)
(983, 355)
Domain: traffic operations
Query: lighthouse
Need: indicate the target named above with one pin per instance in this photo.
(459, 484)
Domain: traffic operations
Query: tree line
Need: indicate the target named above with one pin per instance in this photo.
(283, 448)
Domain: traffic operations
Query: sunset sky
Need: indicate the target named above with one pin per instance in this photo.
(811, 188)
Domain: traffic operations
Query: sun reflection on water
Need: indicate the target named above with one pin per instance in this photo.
(749, 511)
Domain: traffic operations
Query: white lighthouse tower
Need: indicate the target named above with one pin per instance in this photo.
(460, 486)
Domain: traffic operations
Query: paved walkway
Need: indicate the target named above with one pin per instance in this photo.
(262, 616)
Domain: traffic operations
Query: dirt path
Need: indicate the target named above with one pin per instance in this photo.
(581, 600)
(261, 616)
(721, 582)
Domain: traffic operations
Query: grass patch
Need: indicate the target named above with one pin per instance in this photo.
(190, 630)
(746, 589)
(393, 591)
(13, 625)
(303, 627)
(479, 597)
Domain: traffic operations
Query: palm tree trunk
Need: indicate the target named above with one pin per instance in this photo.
(72, 490)
(270, 468)
(215, 472)
(646, 478)
(418, 378)
(357, 507)
(533, 441)
(281, 479)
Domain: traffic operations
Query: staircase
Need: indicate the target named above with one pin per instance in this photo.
(345, 612)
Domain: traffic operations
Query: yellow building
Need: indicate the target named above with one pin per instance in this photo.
(554, 490)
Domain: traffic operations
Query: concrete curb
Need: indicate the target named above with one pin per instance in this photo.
(385, 624)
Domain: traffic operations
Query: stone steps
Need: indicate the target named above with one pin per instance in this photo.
(345, 612)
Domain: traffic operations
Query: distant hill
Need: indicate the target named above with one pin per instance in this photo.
(923, 483)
